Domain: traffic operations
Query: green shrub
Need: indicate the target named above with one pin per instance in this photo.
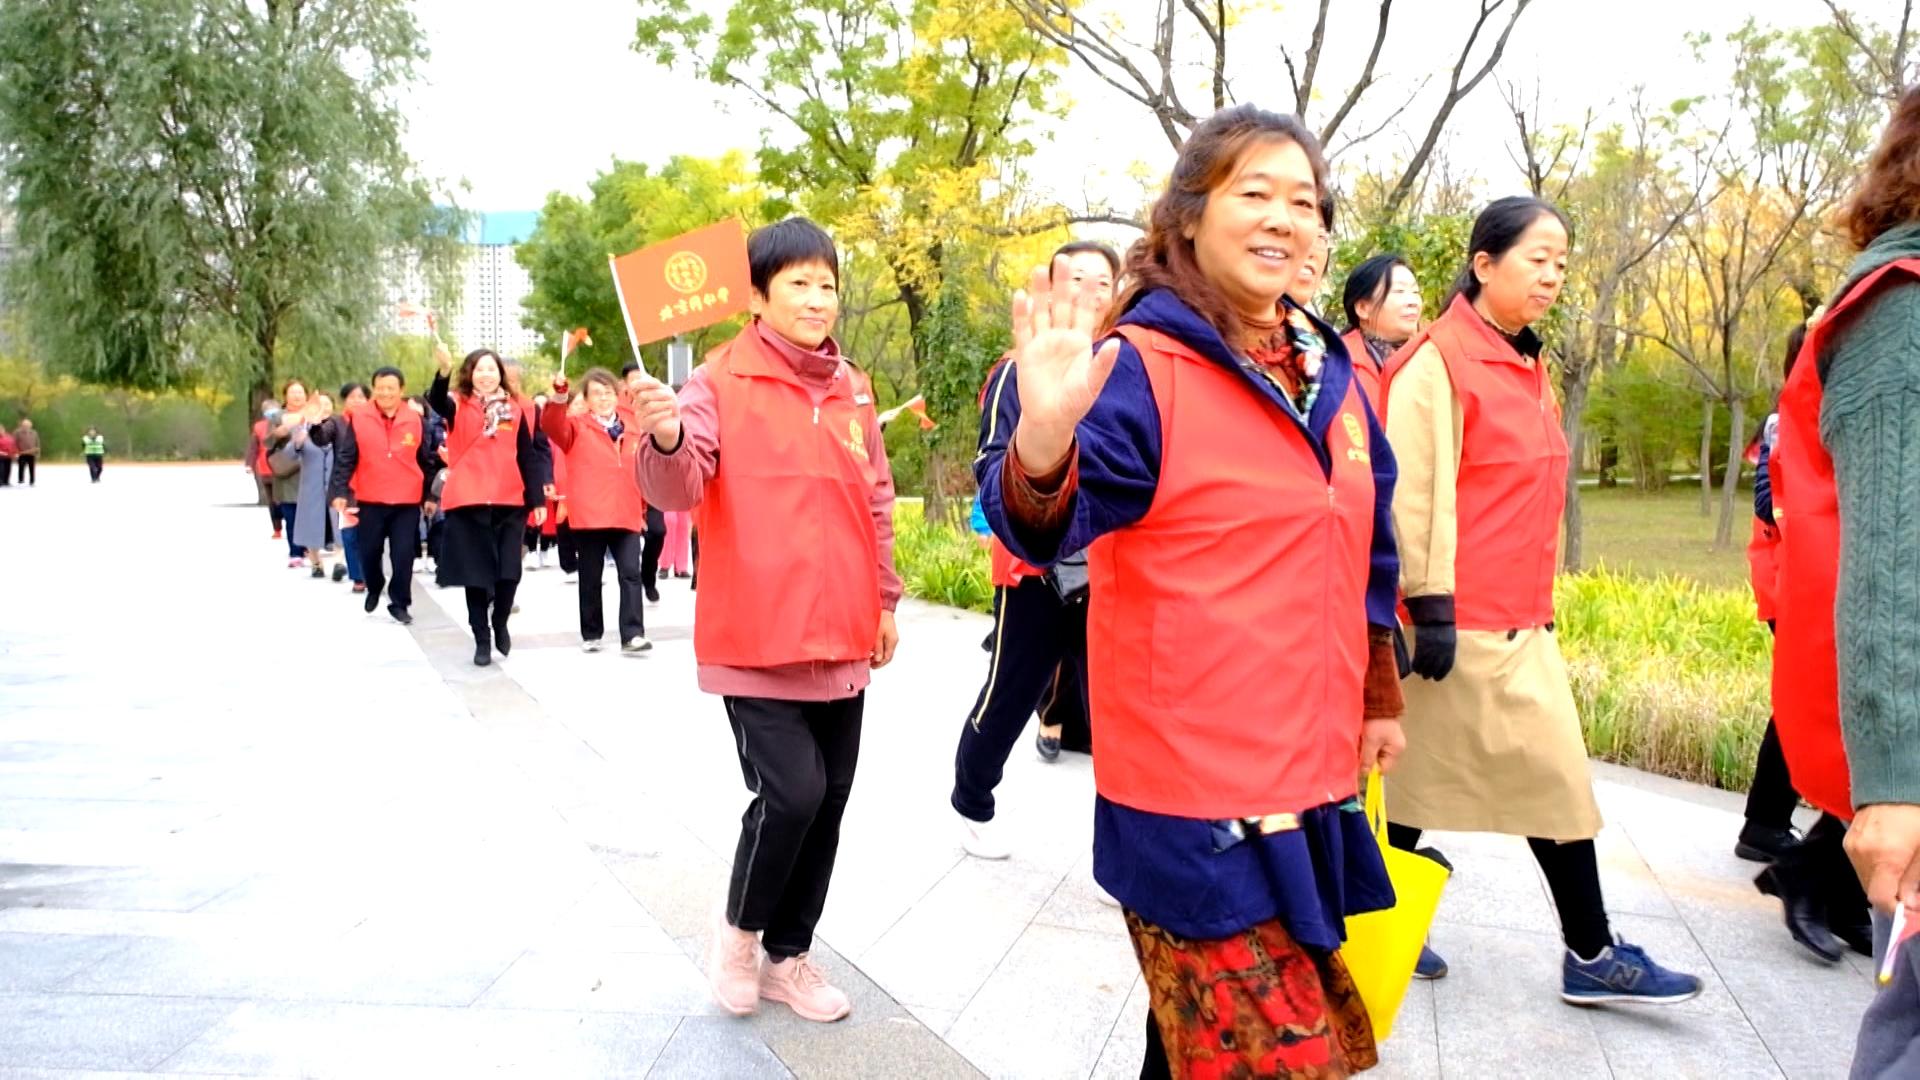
(939, 563)
(1669, 676)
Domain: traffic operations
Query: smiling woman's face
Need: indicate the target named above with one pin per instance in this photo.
(801, 304)
(1259, 226)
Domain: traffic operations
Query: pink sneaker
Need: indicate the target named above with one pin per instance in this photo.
(799, 984)
(733, 968)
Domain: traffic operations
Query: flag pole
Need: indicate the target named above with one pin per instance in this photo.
(633, 339)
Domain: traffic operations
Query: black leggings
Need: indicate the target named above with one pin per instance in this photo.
(1572, 871)
(499, 599)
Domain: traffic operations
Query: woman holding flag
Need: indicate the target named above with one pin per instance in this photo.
(604, 506)
(774, 442)
(496, 474)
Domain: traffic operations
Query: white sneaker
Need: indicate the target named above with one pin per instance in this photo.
(590, 646)
(982, 839)
(571, 579)
(637, 645)
(1104, 896)
(543, 558)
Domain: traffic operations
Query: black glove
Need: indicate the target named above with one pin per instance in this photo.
(1434, 640)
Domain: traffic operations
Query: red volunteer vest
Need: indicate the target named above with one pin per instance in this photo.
(483, 471)
(1806, 671)
(1763, 564)
(789, 558)
(387, 471)
(602, 480)
(1006, 569)
(260, 465)
(1513, 472)
(1365, 372)
(1227, 629)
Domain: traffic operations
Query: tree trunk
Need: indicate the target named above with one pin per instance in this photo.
(1573, 411)
(1706, 457)
(1729, 488)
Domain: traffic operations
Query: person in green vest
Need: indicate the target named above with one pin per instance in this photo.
(94, 445)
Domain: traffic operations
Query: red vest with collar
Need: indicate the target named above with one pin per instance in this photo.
(1806, 668)
(1512, 482)
(482, 470)
(387, 469)
(1227, 628)
(789, 558)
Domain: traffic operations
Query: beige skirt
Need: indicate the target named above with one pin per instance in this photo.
(1496, 745)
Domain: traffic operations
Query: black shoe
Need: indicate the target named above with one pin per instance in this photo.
(319, 572)
(339, 571)
(653, 594)
(1857, 936)
(501, 641)
(373, 600)
(1049, 748)
(400, 615)
(482, 649)
(1806, 916)
(1764, 843)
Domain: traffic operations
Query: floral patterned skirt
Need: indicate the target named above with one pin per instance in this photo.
(1250, 1006)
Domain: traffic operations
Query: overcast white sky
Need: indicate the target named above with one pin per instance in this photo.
(525, 98)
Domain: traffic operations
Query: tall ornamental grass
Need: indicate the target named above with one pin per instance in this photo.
(1670, 676)
(940, 563)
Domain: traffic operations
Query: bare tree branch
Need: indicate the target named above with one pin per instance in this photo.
(1303, 84)
(1457, 92)
(1365, 81)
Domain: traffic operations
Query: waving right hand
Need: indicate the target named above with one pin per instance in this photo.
(1060, 373)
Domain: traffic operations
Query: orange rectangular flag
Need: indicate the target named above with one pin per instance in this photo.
(695, 279)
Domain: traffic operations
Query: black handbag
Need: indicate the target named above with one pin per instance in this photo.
(1069, 577)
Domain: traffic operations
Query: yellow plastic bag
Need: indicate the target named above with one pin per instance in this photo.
(1383, 946)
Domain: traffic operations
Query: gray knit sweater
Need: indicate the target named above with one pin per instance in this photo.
(1870, 423)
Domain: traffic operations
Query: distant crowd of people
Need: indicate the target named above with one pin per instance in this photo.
(20, 450)
(474, 477)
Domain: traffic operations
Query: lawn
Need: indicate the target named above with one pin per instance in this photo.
(1647, 535)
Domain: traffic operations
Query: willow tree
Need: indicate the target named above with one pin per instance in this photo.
(206, 186)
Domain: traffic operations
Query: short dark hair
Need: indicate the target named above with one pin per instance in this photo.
(1370, 281)
(1498, 228)
(347, 389)
(629, 368)
(1796, 340)
(598, 375)
(793, 242)
(386, 370)
(1328, 204)
(1090, 247)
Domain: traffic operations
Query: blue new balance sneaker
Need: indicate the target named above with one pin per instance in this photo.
(1624, 974)
(1431, 966)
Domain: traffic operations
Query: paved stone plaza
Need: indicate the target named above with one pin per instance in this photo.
(246, 830)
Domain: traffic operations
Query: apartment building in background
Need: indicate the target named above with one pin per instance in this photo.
(493, 287)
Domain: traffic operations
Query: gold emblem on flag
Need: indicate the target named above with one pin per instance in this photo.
(1354, 431)
(686, 272)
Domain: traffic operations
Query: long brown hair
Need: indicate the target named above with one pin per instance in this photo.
(1163, 258)
(1889, 191)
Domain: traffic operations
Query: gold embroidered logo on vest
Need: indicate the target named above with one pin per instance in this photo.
(856, 439)
(1358, 436)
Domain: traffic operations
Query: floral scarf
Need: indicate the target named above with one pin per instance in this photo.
(1292, 358)
(494, 408)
